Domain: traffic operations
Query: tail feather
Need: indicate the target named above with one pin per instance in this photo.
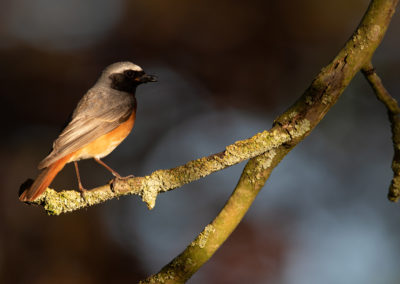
(43, 180)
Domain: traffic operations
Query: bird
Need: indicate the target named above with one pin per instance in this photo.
(102, 119)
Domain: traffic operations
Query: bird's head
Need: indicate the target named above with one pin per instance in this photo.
(125, 76)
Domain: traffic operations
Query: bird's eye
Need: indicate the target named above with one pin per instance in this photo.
(129, 73)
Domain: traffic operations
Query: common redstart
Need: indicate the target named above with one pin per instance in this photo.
(102, 119)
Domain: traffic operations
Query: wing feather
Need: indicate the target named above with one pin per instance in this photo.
(96, 114)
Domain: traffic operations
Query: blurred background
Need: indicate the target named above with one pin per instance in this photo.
(225, 69)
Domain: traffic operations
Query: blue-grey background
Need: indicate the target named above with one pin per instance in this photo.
(225, 69)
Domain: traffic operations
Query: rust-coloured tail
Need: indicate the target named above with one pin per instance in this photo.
(43, 180)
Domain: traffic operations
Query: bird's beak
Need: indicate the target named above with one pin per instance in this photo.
(145, 78)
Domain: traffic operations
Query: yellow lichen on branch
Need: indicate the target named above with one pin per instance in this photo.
(150, 186)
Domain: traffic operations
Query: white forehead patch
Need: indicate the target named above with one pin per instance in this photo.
(120, 67)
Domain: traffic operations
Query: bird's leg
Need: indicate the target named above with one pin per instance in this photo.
(81, 188)
(117, 175)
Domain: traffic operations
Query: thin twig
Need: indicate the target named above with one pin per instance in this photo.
(380, 91)
(393, 110)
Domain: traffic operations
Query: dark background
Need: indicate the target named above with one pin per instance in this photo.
(226, 69)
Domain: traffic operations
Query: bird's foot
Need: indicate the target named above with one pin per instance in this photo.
(82, 191)
(126, 177)
(116, 179)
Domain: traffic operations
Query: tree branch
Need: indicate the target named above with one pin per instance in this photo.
(150, 186)
(393, 112)
(312, 106)
(253, 177)
(288, 130)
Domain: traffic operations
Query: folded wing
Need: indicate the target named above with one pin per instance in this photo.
(91, 119)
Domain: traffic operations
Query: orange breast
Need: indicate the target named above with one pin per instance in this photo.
(105, 144)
